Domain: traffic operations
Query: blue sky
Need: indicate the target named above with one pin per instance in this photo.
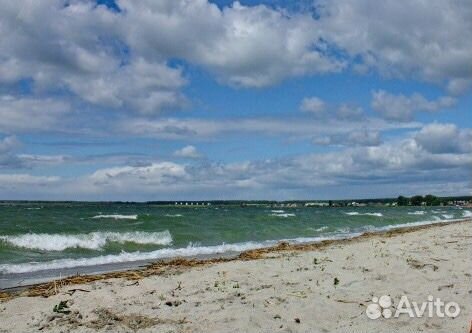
(157, 100)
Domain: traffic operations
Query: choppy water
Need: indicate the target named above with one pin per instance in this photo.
(44, 236)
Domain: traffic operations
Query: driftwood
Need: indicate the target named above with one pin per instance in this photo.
(72, 291)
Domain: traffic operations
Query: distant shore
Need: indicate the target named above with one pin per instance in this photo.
(324, 286)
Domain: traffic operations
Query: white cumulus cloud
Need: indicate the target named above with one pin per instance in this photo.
(188, 152)
(402, 108)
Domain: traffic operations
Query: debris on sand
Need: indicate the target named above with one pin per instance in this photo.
(134, 322)
(62, 307)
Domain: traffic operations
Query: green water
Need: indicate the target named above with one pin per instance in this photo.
(38, 236)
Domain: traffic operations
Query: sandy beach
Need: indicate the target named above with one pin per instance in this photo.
(302, 288)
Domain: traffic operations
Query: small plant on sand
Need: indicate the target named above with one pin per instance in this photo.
(336, 281)
(62, 307)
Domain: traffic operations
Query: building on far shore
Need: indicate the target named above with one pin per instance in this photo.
(316, 204)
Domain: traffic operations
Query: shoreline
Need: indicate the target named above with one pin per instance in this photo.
(140, 269)
(317, 287)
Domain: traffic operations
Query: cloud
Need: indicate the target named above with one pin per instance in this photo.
(126, 59)
(203, 129)
(79, 47)
(349, 112)
(155, 174)
(362, 137)
(188, 152)
(314, 105)
(402, 108)
(320, 109)
(121, 59)
(148, 88)
(42, 160)
(20, 183)
(11, 159)
(25, 114)
(459, 86)
(249, 46)
(444, 138)
(402, 160)
(397, 38)
(404, 165)
(8, 143)
(7, 158)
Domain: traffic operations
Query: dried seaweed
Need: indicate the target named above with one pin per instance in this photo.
(166, 266)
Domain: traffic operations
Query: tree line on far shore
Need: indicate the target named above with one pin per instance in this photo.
(419, 200)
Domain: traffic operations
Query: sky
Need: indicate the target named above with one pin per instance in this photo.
(196, 99)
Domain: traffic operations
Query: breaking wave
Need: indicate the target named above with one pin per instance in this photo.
(466, 213)
(116, 217)
(369, 214)
(91, 241)
(191, 250)
(283, 214)
(418, 212)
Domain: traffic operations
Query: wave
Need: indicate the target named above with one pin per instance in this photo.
(322, 228)
(189, 251)
(116, 217)
(415, 224)
(91, 241)
(448, 216)
(369, 214)
(466, 213)
(283, 214)
(418, 212)
(174, 215)
(192, 250)
(277, 211)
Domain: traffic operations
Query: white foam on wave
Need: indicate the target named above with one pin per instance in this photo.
(414, 224)
(323, 228)
(173, 215)
(116, 217)
(188, 251)
(283, 214)
(368, 214)
(278, 211)
(448, 216)
(191, 250)
(417, 212)
(466, 213)
(91, 241)
(130, 257)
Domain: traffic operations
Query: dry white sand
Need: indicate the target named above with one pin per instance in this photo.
(292, 291)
